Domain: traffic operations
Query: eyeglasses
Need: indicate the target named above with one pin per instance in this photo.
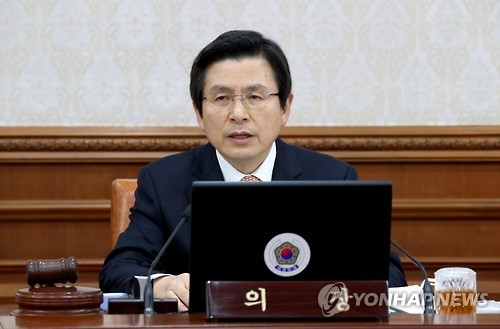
(251, 99)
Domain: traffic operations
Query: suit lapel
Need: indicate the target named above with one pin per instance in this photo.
(206, 167)
(286, 166)
(205, 164)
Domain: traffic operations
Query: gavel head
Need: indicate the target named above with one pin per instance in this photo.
(51, 271)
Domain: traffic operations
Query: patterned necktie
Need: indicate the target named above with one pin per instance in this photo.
(250, 178)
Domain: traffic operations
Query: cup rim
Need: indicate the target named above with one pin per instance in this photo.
(455, 271)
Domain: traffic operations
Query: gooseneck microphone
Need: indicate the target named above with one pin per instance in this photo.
(148, 289)
(428, 295)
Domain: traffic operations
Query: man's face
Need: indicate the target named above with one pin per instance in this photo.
(242, 134)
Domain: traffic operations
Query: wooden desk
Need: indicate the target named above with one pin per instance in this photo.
(198, 321)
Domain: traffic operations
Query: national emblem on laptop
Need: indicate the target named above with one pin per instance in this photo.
(287, 254)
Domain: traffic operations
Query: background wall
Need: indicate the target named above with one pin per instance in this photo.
(407, 91)
(354, 63)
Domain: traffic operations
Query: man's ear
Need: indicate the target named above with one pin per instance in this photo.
(286, 109)
(199, 117)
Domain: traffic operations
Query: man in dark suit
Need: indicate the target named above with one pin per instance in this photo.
(241, 92)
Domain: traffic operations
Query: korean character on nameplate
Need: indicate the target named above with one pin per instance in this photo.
(256, 297)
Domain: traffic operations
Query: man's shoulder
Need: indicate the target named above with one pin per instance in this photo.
(178, 160)
(312, 164)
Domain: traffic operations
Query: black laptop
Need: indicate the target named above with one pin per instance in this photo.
(288, 230)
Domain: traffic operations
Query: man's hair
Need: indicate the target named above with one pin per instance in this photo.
(240, 44)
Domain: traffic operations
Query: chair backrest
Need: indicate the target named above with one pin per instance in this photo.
(122, 199)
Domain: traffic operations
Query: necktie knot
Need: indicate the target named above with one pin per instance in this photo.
(250, 178)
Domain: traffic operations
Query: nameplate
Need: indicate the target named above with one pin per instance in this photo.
(319, 300)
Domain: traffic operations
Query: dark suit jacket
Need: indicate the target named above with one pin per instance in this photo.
(164, 191)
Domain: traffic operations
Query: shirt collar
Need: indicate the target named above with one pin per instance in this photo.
(264, 172)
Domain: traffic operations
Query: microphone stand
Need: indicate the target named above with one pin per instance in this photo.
(427, 290)
(148, 289)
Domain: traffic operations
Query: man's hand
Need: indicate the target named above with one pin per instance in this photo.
(173, 286)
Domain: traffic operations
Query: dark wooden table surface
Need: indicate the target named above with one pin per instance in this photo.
(199, 321)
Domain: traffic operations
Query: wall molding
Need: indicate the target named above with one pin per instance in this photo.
(99, 210)
(463, 143)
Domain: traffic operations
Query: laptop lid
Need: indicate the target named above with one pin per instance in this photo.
(288, 230)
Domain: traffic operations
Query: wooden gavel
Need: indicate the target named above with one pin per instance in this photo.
(51, 271)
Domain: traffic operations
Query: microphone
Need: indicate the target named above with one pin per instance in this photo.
(428, 295)
(148, 289)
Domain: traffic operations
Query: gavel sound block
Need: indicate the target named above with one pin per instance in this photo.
(50, 293)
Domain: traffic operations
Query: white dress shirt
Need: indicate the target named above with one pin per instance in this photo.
(264, 172)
